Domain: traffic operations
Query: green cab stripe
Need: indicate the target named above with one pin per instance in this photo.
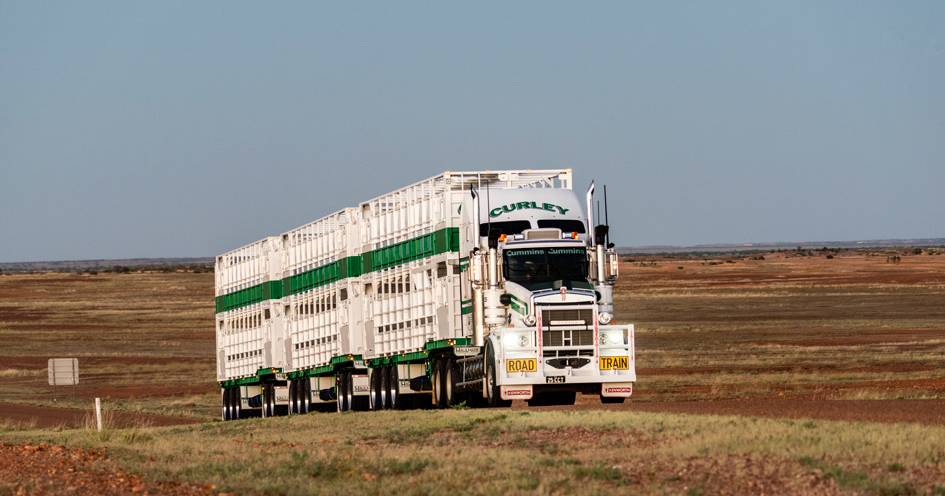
(428, 245)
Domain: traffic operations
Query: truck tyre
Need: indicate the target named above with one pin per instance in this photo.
(451, 394)
(306, 394)
(292, 402)
(264, 397)
(376, 401)
(225, 410)
(493, 391)
(610, 400)
(342, 391)
(436, 379)
(392, 387)
(237, 404)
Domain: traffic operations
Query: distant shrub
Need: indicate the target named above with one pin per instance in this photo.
(830, 257)
(917, 251)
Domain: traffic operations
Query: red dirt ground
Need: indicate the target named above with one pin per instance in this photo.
(42, 469)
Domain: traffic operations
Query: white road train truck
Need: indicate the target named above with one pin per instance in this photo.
(483, 287)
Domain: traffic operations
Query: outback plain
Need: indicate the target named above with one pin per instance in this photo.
(799, 371)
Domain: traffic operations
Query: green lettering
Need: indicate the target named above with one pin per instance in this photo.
(521, 205)
(495, 212)
(562, 209)
(547, 206)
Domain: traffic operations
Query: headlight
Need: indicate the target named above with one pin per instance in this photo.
(529, 320)
(604, 317)
(611, 337)
(516, 340)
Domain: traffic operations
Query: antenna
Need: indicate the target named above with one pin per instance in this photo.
(489, 209)
(606, 220)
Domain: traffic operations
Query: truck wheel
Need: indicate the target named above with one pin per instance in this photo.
(225, 410)
(292, 402)
(237, 409)
(340, 391)
(493, 391)
(437, 380)
(450, 392)
(306, 394)
(376, 402)
(343, 392)
(393, 387)
(264, 397)
(609, 400)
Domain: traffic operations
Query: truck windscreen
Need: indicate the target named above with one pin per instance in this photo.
(531, 266)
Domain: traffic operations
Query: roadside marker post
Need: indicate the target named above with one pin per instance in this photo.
(98, 413)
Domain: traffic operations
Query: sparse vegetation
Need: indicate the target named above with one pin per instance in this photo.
(587, 452)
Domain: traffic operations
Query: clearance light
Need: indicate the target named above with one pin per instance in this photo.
(502, 238)
(574, 235)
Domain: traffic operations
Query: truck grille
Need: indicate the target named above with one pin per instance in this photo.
(569, 317)
(571, 327)
(584, 337)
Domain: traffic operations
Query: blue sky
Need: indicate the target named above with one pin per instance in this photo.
(133, 129)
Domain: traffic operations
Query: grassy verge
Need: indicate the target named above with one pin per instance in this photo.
(495, 452)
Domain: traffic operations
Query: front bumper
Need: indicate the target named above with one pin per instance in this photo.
(611, 363)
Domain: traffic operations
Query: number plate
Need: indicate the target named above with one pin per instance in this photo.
(554, 379)
(521, 365)
(614, 363)
(465, 351)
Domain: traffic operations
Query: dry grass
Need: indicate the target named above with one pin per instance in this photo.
(497, 452)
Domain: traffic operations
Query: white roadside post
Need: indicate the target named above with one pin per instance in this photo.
(98, 413)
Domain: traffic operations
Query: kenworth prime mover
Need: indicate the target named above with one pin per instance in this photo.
(478, 287)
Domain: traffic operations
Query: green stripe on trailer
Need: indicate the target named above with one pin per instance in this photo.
(325, 369)
(269, 290)
(413, 356)
(446, 343)
(253, 379)
(313, 278)
(443, 241)
(428, 245)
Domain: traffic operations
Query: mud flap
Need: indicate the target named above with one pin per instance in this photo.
(523, 392)
(616, 390)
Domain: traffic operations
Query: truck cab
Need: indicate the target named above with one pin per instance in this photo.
(542, 286)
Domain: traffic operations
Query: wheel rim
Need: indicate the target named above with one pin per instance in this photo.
(349, 391)
(306, 394)
(393, 386)
(372, 390)
(448, 382)
(223, 411)
(436, 383)
(237, 406)
(292, 396)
